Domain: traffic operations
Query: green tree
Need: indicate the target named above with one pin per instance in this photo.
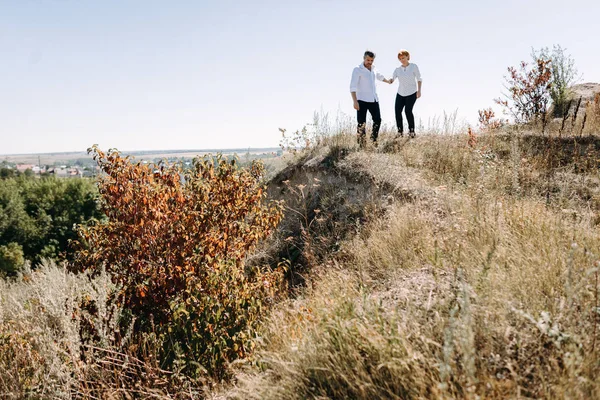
(11, 259)
(57, 206)
(6, 173)
(15, 224)
(564, 75)
(40, 214)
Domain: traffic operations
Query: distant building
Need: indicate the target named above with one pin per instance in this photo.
(25, 167)
(66, 172)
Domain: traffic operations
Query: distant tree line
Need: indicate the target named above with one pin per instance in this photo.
(37, 217)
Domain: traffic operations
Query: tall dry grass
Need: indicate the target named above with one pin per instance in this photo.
(483, 285)
(40, 321)
(61, 338)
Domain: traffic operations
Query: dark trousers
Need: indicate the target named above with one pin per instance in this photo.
(361, 116)
(407, 102)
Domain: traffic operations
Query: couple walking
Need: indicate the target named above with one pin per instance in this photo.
(364, 94)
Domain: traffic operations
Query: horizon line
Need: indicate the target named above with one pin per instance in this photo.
(146, 151)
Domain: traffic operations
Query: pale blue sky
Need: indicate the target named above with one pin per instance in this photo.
(143, 75)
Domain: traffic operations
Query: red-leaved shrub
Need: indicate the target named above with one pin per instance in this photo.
(175, 241)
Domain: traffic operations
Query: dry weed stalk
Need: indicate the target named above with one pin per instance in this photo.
(584, 118)
(564, 118)
(575, 112)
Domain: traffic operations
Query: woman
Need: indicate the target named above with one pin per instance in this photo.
(409, 90)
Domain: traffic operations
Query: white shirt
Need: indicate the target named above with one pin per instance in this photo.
(363, 83)
(407, 79)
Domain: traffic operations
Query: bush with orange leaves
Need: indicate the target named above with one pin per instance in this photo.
(487, 120)
(175, 241)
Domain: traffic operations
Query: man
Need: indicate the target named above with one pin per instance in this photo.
(364, 95)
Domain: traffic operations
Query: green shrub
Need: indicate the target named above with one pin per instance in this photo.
(39, 214)
(11, 259)
(564, 74)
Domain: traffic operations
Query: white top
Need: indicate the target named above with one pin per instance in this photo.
(407, 78)
(363, 83)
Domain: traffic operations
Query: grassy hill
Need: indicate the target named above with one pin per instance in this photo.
(439, 267)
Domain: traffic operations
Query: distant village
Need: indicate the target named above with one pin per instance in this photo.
(62, 171)
(80, 167)
(74, 168)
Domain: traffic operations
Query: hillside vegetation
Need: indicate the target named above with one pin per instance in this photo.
(480, 278)
(445, 266)
(461, 264)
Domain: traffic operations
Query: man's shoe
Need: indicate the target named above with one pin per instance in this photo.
(412, 134)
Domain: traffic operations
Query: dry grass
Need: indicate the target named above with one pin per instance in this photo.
(592, 115)
(39, 327)
(60, 338)
(480, 282)
(475, 275)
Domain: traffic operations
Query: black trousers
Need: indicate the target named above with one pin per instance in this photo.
(407, 103)
(361, 116)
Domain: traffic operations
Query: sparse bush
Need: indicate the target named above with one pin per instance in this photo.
(47, 349)
(308, 137)
(175, 242)
(528, 91)
(295, 141)
(564, 75)
(41, 350)
(487, 120)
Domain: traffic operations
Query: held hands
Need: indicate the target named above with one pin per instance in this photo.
(390, 81)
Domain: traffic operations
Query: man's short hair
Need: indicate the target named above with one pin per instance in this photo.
(369, 53)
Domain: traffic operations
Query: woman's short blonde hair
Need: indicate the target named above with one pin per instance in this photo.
(404, 53)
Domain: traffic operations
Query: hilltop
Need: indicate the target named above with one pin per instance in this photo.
(587, 91)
